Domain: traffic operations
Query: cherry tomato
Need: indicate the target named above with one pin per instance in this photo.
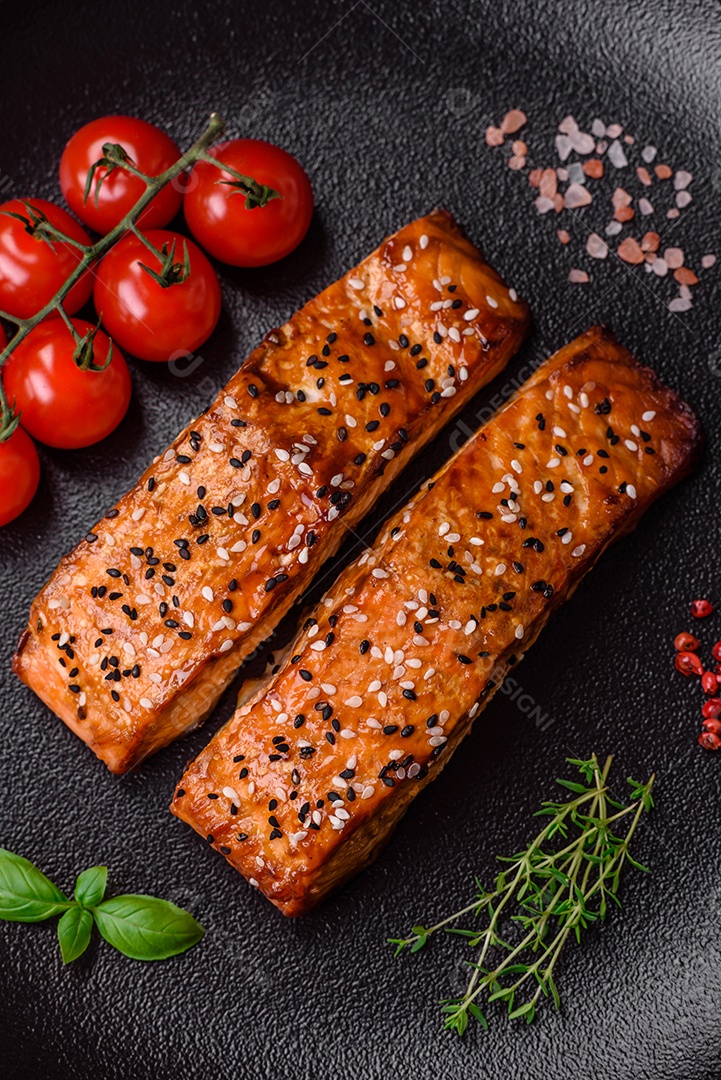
(19, 474)
(149, 149)
(217, 215)
(59, 403)
(31, 271)
(148, 320)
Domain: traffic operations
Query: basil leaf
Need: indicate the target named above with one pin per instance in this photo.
(146, 928)
(26, 895)
(74, 930)
(90, 886)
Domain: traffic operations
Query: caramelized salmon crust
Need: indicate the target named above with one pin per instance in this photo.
(143, 625)
(301, 787)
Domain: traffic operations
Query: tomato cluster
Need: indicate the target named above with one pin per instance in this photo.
(156, 294)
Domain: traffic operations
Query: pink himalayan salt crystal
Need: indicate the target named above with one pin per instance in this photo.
(643, 176)
(577, 277)
(568, 126)
(543, 205)
(630, 251)
(598, 128)
(674, 257)
(548, 185)
(562, 174)
(614, 130)
(494, 136)
(645, 207)
(682, 179)
(596, 247)
(601, 147)
(648, 154)
(679, 303)
(683, 198)
(576, 195)
(629, 140)
(565, 238)
(516, 162)
(617, 156)
(620, 198)
(674, 212)
(613, 228)
(513, 121)
(708, 261)
(564, 146)
(582, 143)
(659, 267)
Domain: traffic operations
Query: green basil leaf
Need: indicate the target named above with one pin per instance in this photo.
(26, 895)
(74, 930)
(90, 886)
(146, 928)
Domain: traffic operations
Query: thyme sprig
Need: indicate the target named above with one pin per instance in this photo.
(115, 157)
(552, 890)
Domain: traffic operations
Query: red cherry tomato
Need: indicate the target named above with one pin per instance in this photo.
(19, 474)
(217, 215)
(150, 150)
(31, 271)
(146, 319)
(59, 403)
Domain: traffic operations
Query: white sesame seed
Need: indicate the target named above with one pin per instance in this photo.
(146, 703)
(472, 313)
(519, 632)
(588, 460)
(500, 569)
(578, 551)
(407, 253)
(631, 491)
(491, 302)
(553, 463)
(356, 283)
(648, 416)
(516, 466)
(630, 444)
(223, 554)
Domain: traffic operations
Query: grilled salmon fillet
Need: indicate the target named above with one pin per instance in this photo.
(143, 625)
(301, 787)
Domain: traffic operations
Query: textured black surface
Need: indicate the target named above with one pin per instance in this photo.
(385, 103)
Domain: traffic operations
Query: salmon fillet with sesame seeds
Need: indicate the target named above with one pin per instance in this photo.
(143, 625)
(303, 785)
